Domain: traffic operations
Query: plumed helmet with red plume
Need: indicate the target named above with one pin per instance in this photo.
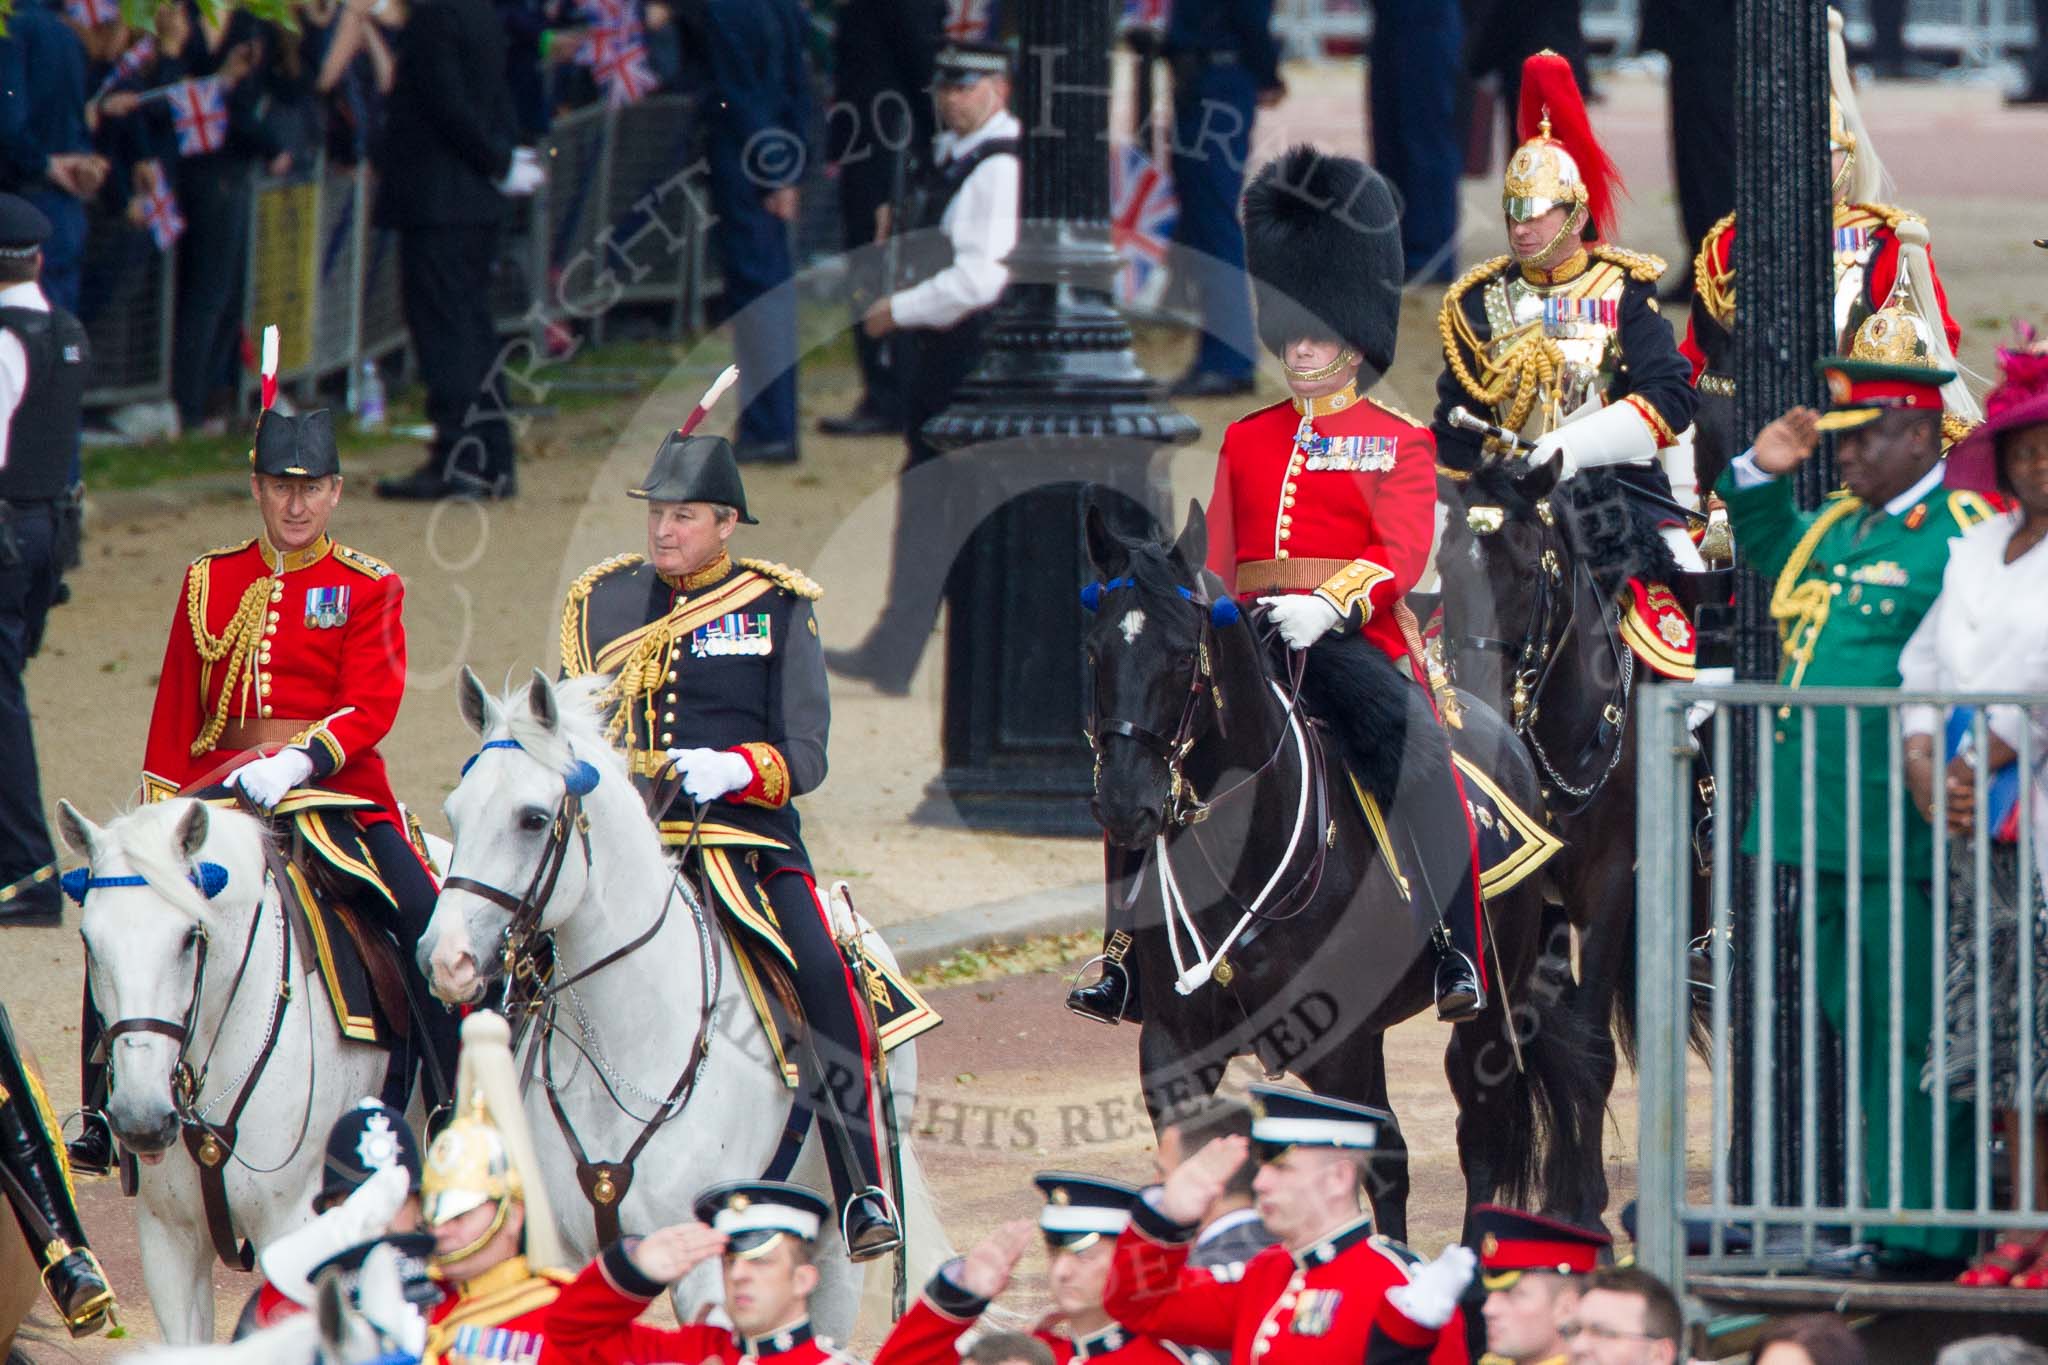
(1559, 161)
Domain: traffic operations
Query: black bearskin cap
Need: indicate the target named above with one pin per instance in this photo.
(1322, 242)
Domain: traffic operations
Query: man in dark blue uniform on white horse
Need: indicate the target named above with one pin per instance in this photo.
(720, 684)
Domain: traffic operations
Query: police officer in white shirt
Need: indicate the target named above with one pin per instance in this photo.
(953, 232)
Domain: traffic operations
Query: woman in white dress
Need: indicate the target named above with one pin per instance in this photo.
(1988, 632)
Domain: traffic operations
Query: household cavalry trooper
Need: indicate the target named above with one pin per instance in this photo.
(1079, 1221)
(1321, 520)
(765, 1233)
(483, 1200)
(719, 682)
(284, 670)
(37, 1181)
(1865, 250)
(1560, 342)
(1329, 1290)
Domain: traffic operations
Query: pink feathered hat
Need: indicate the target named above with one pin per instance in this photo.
(2020, 400)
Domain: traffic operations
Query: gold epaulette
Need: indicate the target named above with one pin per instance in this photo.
(1891, 215)
(1478, 274)
(1970, 509)
(575, 662)
(217, 551)
(363, 563)
(791, 580)
(1715, 286)
(1393, 411)
(1640, 265)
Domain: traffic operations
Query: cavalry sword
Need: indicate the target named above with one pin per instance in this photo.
(1465, 419)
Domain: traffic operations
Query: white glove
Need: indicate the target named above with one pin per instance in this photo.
(1431, 1294)
(710, 773)
(1615, 434)
(1303, 618)
(525, 174)
(266, 780)
(289, 1261)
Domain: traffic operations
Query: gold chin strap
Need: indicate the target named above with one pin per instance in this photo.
(1573, 221)
(463, 1253)
(1843, 177)
(1336, 367)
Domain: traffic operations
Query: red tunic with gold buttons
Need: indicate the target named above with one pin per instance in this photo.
(1322, 1304)
(304, 648)
(1334, 496)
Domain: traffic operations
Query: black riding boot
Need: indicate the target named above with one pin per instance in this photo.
(1112, 997)
(842, 1091)
(33, 1175)
(92, 1151)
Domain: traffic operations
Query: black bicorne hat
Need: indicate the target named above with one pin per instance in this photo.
(695, 469)
(295, 446)
(1322, 241)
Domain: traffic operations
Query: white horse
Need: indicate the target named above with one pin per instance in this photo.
(166, 959)
(379, 1326)
(635, 1019)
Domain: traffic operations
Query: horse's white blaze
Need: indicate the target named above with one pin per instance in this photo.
(1133, 625)
(637, 1015)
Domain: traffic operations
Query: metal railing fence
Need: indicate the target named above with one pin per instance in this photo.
(1687, 1168)
(616, 199)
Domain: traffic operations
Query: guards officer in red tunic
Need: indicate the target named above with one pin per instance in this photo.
(1080, 1222)
(1330, 1290)
(765, 1230)
(1322, 516)
(284, 669)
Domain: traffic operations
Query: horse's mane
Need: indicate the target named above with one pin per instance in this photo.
(579, 733)
(1615, 536)
(147, 837)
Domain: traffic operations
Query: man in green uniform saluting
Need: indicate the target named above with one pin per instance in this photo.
(1850, 583)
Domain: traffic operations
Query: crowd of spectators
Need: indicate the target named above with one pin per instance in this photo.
(166, 129)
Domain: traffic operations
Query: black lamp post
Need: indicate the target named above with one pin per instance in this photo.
(1784, 323)
(1059, 411)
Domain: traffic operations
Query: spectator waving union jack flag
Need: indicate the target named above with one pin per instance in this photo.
(616, 52)
(160, 208)
(199, 113)
(1141, 213)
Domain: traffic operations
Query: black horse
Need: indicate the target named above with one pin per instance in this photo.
(1274, 920)
(1531, 580)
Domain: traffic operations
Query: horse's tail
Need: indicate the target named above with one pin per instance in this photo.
(1628, 993)
(1547, 1112)
(924, 1235)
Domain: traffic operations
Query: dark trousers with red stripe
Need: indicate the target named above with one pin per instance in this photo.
(839, 1087)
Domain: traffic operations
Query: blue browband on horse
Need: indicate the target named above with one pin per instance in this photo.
(1222, 612)
(581, 779)
(210, 878)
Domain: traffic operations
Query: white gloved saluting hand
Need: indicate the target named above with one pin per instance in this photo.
(1302, 618)
(1431, 1294)
(266, 780)
(289, 1261)
(710, 773)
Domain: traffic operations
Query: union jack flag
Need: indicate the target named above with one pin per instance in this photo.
(160, 210)
(1139, 14)
(1141, 216)
(618, 61)
(129, 64)
(968, 20)
(199, 113)
(92, 13)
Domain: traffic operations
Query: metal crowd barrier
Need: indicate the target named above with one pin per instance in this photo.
(616, 198)
(1689, 1167)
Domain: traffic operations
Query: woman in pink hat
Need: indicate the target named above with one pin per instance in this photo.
(1987, 632)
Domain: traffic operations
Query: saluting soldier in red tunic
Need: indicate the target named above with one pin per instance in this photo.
(284, 669)
(1322, 516)
(1331, 1290)
(765, 1230)
(1080, 1221)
